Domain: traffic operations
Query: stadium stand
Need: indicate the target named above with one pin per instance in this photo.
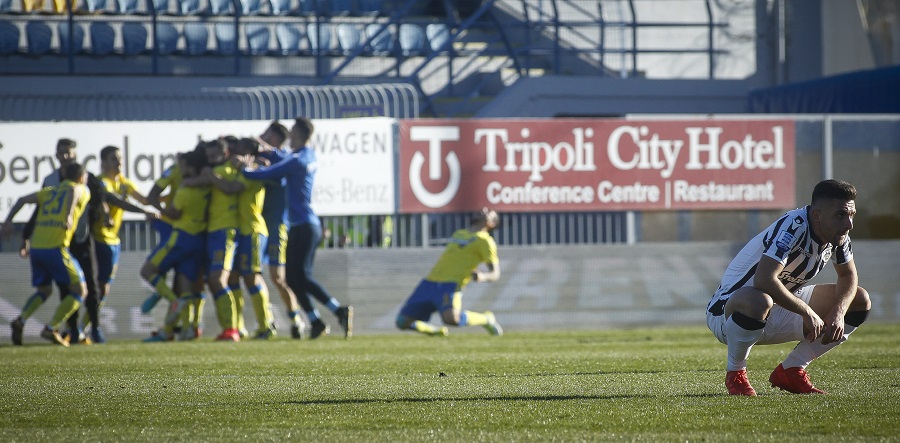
(438, 35)
(381, 39)
(134, 38)
(319, 36)
(39, 37)
(220, 7)
(103, 38)
(369, 7)
(196, 38)
(339, 7)
(166, 38)
(9, 38)
(70, 41)
(257, 38)
(226, 39)
(412, 39)
(348, 35)
(161, 6)
(306, 7)
(127, 7)
(94, 6)
(288, 36)
(279, 7)
(5, 6)
(189, 7)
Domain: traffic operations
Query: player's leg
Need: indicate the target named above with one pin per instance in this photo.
(67, 271)
(276, 250)
(42, 280)
(458, 317)
(107, 263)
(311, 236)
(419, 307)
(84, 253)
(791, 374)
(160, 260)
(217, 278)
(295, 267)
(250, 258)
(745, 320)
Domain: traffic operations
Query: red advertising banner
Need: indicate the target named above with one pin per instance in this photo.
(595, 165)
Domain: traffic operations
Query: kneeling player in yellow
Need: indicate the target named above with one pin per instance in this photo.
(59, 208)
(441, 290)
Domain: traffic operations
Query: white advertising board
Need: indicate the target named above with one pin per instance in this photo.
(355, 175)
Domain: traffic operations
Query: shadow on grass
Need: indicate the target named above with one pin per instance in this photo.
(465, 399)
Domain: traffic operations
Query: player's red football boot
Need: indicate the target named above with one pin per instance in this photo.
(230, 334)
(737, 383)
(794, 380)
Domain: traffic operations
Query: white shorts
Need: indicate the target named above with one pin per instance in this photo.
(783, 326)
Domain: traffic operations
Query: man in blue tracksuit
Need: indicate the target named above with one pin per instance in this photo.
(298, 168)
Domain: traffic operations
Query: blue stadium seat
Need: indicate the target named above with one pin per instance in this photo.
(306, 7)
(166, 38)
(226, 39)
(220, 7)
(75, 40)
(412, 39)
(382, 43)
(337, 7)
(370, 7)
(288, 37)
(127, 6)
(348, 35)
(5, 6)
(280, 7)
(319, 42)
(196, 38)
(103, 38)
(134, 38)
(438, 34)
(161, 6)
(189, 7)
(250, 7)
(39, 36)
(94, 5)
(9, 37)
(257, 38)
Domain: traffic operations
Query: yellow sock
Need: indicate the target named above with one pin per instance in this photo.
(261, 307)
(474, 319)
(34, 302)
(163, 289)
(198, 311)
(67, 307)
(225, 309)
(425, 328)
(238, 295)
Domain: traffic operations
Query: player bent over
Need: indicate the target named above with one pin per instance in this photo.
(763, 297)
(59, 207)
(441, 290)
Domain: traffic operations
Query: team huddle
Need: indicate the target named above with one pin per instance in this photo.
(232, 204)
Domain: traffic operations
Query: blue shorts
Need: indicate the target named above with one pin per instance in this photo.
(429, 297)
(183, 252)
(276, 246)
(250, 253)
(164, 229)
(220, 249)
(107, 261)
(49, 265)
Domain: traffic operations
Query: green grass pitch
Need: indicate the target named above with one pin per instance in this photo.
(658, 384)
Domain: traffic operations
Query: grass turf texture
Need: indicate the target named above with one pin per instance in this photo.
(662, 384)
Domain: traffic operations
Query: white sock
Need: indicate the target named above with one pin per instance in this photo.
(740, 341)
(805, 352)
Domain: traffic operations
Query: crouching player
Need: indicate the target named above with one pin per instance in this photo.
(59, 207)
(441, 290)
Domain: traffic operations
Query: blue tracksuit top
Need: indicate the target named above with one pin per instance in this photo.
(299, 170)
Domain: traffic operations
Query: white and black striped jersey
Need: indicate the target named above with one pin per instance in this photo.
(789, 240)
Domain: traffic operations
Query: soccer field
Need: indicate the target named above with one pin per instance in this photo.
(663, 384)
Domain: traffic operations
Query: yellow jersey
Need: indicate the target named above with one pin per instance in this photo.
(250, 206)
(192, 202)
(53, 207)
(223, 208)
(171, 178)
(121, 187)
(465, 251)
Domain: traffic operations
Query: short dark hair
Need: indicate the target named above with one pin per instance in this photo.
(305, 126)
(218, 143)
(107, 150)
(833, 189)
(249, 146)
(194, 159)
(73, 171)
(278, 129)
(66, 142)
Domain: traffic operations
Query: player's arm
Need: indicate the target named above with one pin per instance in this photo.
(133, 193)
(845, 289)
(22, 201)
(276, 171)
(766, 280)
(69, 213)
(492, 274)
(226, 186)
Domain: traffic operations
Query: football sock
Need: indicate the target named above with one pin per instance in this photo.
(742, 333)
(805, 352)
(469, 318)
(333, 304)
(238, 295)
(199, 301)
(294, 316)
(314, 315)
(423, 327)
(260, 297)
(34, 302)
(67, 307)
(163, 289)
(187, 314)
(225, 309)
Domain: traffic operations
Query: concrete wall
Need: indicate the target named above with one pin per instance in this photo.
(542, 288)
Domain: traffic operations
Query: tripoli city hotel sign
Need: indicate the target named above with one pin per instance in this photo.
(591, 165)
